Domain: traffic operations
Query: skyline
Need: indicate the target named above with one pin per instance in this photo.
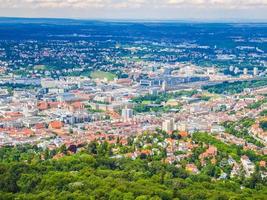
(199, 10)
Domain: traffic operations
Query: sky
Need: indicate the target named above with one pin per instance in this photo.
(138, 9)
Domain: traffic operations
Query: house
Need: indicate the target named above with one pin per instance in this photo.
(58, 156)
(235, 170)
(262, 163)
(39, 126)
(42, 105)
(192, 168)
(183, 134)
(223, 176)
(56, 124)
(248, 166)
(146, 152)
(210, 152)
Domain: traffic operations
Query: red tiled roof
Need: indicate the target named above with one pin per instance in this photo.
(183, 133)
(77, 104)
(56, 124)
(39, 126)
(42, 105)
(14, 114)
(27, 131)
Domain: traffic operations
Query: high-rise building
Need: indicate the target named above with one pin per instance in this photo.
(153, 91)
(245, 71)
(168, 125)
(126, 114)
(164, 86)
(255, 71)
(236, 70)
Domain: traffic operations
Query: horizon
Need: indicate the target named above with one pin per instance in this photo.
(200, 10)
(174, 20)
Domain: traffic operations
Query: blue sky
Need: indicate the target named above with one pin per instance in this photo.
(137, 9)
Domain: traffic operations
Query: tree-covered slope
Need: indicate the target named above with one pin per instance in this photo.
(33, 175)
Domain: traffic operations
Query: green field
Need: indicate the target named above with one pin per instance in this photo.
(39, 67)
(102, 75)
(146, 102)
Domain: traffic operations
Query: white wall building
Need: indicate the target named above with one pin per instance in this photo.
(168, 125)
(126, 114)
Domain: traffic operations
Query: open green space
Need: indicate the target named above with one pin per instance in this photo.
(102, 75)
(235, 87)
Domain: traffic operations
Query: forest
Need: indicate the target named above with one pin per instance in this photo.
(234, 87)
(27, 172)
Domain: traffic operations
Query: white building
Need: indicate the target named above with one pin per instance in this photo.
(181, 126)
(248, 166)
(164, 86)
(168, 125)
(255, 71)
(245, 71)
(236, 71)
(49, 83)
(126, 114)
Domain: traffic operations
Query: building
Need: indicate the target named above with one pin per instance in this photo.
(255, 71)
(236, 71)
(248, 166)
(245, 71)
(126, 114)
(56, 124)
(192, 168)
(154, 91)
(66, 97)
(49, 83)
(211, 71)
(181, 126)
(168, 125)
(164, 86)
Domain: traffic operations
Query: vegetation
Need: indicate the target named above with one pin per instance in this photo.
(263, 113)
(235, 87)
(11, 86)
(141, 108)
(92, 174)
(39, 67)
(163, 97)
(257, 104)
(263, 125)
(103, 75)
(233, 150)
(240, 129)
(153, 103)
(91, 110)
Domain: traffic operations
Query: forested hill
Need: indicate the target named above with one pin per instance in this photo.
(30, 173)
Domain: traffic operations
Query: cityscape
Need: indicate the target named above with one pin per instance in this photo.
(102, 109)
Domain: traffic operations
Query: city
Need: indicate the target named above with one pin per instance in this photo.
(83, 99)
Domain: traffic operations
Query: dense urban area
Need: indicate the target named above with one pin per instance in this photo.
(132, 110)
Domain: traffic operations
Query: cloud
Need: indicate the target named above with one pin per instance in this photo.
(52, 3)
(136, 9)
(220, 3)
(132, 4)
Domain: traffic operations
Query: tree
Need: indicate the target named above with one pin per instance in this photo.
(63, 149)
(92, 147)
(116, 195)
(28, 182)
